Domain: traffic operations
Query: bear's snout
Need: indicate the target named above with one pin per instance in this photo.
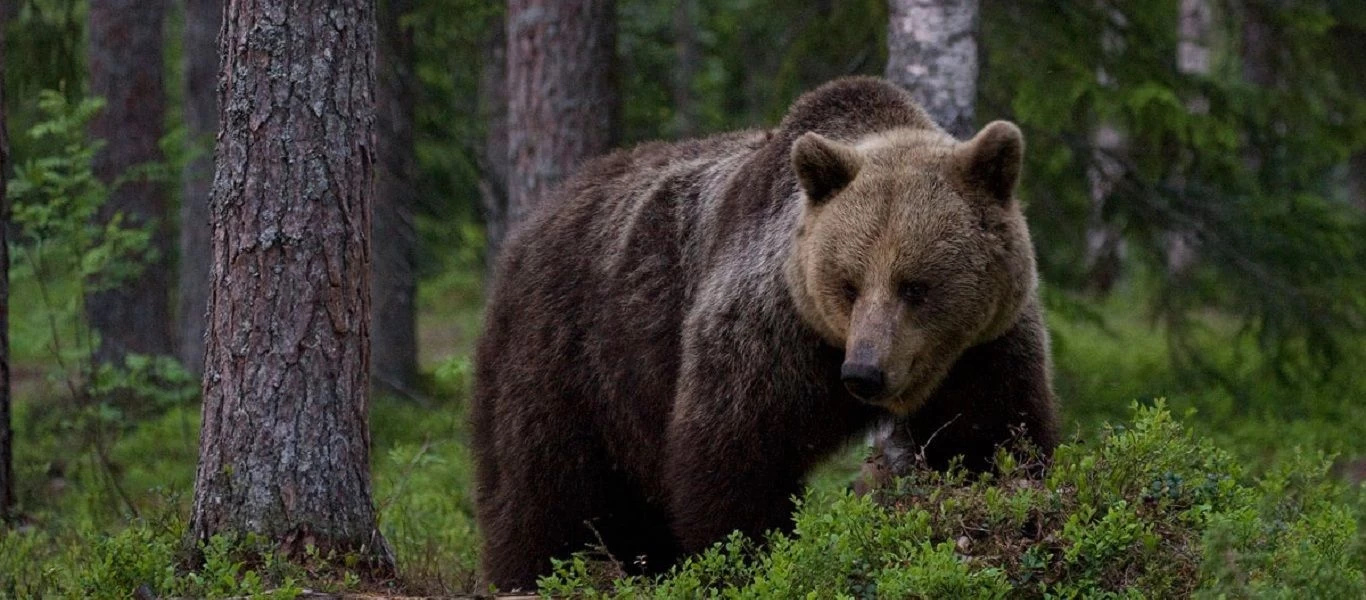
(864, 381)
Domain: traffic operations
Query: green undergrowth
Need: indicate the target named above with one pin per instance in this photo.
(1244, 493)
(79, 538)
(1149, 510)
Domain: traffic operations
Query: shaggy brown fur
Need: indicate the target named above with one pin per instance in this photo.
(676, 338)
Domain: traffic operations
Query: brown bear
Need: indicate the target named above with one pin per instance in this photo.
(683, 330)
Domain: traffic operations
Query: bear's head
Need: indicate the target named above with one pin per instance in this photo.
(911, 248)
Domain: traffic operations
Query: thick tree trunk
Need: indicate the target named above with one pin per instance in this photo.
(202, 21)
(685, 68)
(562, 93)
(493, 107)
(393, 338)
(932, 51)
(125, 61)
(6, 433)
(284, 445)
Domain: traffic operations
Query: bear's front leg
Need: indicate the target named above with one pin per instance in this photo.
(995, 392)
(721, 479)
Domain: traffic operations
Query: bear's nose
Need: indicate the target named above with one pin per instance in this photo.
(863, 381)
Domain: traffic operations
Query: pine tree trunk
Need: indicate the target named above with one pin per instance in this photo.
(6, 433)
(393, 337)
(493, 108)
(125, 62)
(932, 51)
(202, 21)
(1109, 147)
(284, 445)
(1194, 32)
(562, 93)
(685, 68)
(1104, 241)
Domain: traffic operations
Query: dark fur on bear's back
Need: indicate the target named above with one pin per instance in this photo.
(644, 376)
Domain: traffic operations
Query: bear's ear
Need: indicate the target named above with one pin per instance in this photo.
(990, 161)
(823, 166)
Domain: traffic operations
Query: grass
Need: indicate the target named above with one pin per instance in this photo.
(1232, 491)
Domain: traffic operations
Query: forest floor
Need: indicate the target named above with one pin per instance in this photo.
(104, 490)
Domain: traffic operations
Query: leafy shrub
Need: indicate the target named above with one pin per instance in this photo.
(1149, 511)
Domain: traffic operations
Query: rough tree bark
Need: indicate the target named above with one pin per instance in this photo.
(125, 60)
(284, 445)
(393, 334)
(6, 433)
(493, 108)
(932, 51)
(202, 20)
(562, 93)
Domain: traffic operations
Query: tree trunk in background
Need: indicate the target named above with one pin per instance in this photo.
(125, 61)
(562, 93)
(1104, 240)
(685, 68)
(932, 51)
(1356, 180)
(393, 337)
(202, 20)
(1258, 46)
(1194, 32)
(6, 432)
(284, 445)
(493, 108)
(1349, 40)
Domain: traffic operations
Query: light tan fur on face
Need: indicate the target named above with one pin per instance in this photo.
(921, 255)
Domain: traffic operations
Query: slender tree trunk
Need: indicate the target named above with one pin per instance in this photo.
(1356, 180)
(562, 93)
(1349, 39)
(493, 107)
(1104, 240)
(284, 445)
(202, 20)
(393, 339)
(1258, 45)
(685, 68)
(932, 51)
(1194, 32)
(125, 61)
(6, 433)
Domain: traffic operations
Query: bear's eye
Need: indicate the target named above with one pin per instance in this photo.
(913, 292)
(850, 291)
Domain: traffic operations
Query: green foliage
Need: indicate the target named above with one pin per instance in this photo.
(61, 254)
(1245, 168)
(1149, 511)
(55, 200)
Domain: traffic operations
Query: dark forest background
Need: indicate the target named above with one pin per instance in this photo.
(1195, 181)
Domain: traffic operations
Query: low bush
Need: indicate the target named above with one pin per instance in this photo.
(1149, 510)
